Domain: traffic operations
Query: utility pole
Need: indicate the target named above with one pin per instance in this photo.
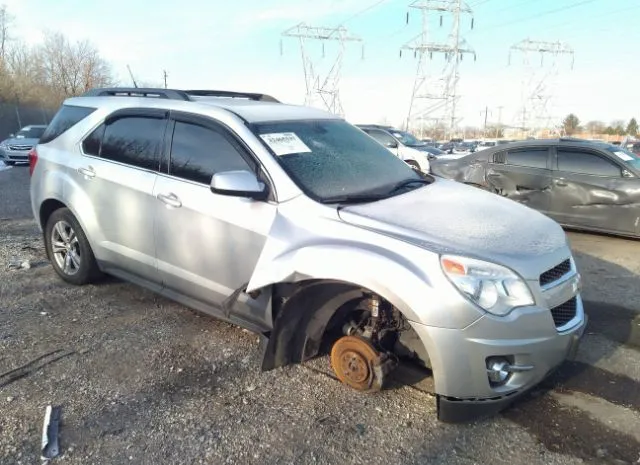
(438, 92)
(537, 83)
(486, 113)
(164, 73)
(323, 88)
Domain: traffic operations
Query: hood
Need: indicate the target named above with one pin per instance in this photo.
(20, 141)
(449, 217)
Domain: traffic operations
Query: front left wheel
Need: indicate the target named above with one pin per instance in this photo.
(69, 250)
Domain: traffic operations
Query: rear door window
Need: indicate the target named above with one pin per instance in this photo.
(581, 162)
(528, 158)
(132, 140)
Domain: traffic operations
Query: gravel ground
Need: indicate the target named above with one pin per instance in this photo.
(144, 380)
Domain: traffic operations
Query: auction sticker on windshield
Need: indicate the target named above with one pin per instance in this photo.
(285, 143)
(623, 156)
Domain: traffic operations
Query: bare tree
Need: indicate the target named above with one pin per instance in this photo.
(5, 26)
(72, 68)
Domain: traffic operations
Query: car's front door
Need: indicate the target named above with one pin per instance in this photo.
(589, 190)
(207, 245)
(117, 172)
(522, 174)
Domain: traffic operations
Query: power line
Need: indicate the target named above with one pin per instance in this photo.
(361, 12)
(544, 13)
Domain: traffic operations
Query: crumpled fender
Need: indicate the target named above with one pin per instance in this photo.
(349, 263)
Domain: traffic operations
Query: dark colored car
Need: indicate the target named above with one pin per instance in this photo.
(580, 184)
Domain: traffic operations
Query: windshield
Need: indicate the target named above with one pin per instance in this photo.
(331, 158)
(30, 133)
(407, 139)
(626, 156)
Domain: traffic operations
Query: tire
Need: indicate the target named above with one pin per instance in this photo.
(413, 164)
(478, 186)
(68, 249)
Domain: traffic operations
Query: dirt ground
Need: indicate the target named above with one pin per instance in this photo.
(147, 381)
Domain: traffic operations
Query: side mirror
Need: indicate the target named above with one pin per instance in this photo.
(391, 144)
(627, 174)
(431, 157)
(239, 183)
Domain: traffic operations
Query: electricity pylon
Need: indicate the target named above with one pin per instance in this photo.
(435, 95)
(537, 88)
(322, 87)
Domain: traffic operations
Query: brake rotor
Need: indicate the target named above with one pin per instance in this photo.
(355, 361)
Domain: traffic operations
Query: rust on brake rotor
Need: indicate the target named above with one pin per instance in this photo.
(354, 360)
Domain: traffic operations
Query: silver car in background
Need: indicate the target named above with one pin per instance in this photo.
(290, 222)
(16, 148)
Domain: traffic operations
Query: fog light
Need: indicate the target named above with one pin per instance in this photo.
(498, 370)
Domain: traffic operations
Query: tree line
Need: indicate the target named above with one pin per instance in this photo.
(47, 73)
(571, 125)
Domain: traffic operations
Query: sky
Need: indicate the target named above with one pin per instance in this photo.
(237, 45)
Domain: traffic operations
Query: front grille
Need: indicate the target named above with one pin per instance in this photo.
(555, 273)
(564, 313)
(20, 147)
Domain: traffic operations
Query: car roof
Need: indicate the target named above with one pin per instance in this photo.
(253, 108)
(563, 141)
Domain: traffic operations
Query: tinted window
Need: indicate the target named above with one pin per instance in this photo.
(530, 158)
(382, 137)
(31, 133)
(586, 163)
(333, 158)
(198, 152)
(67, 117)
(134, 140)
(91, 145)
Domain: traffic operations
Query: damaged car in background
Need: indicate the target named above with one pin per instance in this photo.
(591, 186)
(294, 224)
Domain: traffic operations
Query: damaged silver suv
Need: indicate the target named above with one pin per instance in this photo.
(290, 222)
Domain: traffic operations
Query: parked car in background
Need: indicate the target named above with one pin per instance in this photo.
(16, 148)
(580, 184)
(403, 145)
(294, 224)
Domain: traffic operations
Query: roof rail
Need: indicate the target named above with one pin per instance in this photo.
(231, 94)
(573, 139)
(137, 92)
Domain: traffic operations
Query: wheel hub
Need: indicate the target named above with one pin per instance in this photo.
(354, 361)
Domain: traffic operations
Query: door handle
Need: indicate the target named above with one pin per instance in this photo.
(170, 199)
(561, 183)
(87, 172)
(494, 175)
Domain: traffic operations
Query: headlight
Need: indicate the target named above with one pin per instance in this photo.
(492, 287)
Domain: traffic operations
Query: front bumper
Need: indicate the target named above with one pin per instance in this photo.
(18, 156)
(527, 338)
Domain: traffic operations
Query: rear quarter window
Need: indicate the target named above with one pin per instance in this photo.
(67, 117)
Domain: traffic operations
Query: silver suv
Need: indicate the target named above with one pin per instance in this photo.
(290, 222)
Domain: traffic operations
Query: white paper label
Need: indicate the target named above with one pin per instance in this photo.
(624, 156)
(285, 143)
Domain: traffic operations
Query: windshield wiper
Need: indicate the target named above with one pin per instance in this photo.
(406, 183)
(354, 198)
(369, 197)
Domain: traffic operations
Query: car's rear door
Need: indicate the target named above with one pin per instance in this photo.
(522, 174)
(117, 172)
(589, 190)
